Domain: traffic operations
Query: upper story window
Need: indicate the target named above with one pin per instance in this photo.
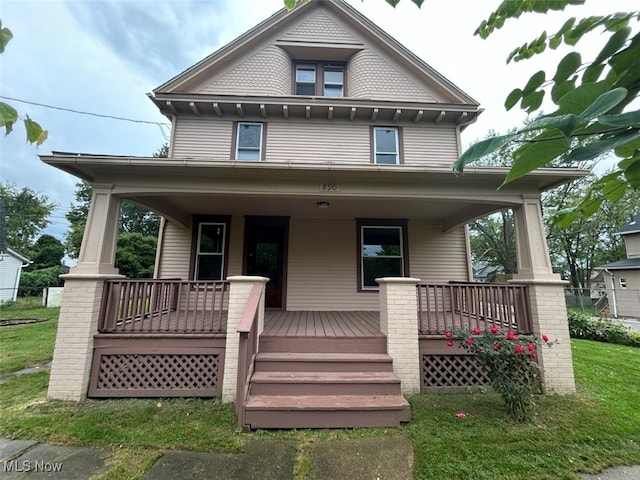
(623, 283)
(249, 141)
(319, 79)
(386, 145)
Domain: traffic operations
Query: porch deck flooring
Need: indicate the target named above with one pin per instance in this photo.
(352, 324)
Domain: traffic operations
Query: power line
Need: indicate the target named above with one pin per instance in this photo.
(81, 112)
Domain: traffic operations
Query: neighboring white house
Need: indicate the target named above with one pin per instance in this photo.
(11, 264)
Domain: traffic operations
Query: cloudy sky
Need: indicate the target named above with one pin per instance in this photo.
(102, 57)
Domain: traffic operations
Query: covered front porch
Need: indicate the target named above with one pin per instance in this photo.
(402, 225)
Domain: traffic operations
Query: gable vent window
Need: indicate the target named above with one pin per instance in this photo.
(319, 79)
(249, 141)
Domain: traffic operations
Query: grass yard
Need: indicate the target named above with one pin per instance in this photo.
(596, 428)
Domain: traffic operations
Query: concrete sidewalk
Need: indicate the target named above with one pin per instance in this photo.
(369, 458)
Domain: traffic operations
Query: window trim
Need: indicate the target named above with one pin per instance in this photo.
(263, 141)
(399, 144)
(197, 221)
(622, 281)
(381, 222)
(319, 67)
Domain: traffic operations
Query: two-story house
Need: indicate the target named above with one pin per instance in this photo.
(622, 278)
(312, 153)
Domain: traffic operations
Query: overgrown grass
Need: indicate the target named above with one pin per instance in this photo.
(27, 345)
(596, 428)
(28, 307)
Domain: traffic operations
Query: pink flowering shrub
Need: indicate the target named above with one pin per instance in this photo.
(509, 361)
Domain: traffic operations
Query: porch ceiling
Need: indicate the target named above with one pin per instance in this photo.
(180, 188)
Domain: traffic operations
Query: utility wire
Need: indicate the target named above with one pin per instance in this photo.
(161, 125)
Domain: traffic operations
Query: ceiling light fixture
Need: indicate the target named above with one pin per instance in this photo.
(322, 204)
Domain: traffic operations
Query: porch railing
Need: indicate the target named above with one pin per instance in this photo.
(248, 348)
(147, 306)
(445, 306)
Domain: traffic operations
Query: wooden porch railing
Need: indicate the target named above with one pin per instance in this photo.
(442, 307)
(248, 348)
(148, 306)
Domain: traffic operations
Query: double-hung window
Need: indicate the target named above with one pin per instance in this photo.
(382, 251)
(210, 251)
(249, 141)
(319, 79)
(386, 145)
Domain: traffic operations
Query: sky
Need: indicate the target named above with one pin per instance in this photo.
(103, 57)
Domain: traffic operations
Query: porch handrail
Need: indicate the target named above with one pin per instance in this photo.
(247, 350)
(445, 306)
(148, 306)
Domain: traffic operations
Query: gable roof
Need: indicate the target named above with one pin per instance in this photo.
(632, 227)
(16, 254)
(283, 19)
(626, 264)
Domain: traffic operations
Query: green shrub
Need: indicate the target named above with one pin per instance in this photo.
(32, 283)
(582, 325)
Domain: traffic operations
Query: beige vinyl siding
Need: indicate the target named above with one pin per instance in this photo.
(430, 145)
(632, 244)
(176, 252)
(175, 256)
(371, 76)
(317, 142)
(204, 136)
(267, 72)
(436, 256)
(321, 27)
(322, 266)
(627, 300)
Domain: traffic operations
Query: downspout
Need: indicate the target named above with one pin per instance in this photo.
(15, 289)
(613, 293)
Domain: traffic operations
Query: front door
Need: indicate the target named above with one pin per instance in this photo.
(266, 253)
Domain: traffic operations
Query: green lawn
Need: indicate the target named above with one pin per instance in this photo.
(596, 428)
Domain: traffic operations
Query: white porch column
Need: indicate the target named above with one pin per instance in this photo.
(239, 289)
(546, 296)
(399, 322)
(80, 309)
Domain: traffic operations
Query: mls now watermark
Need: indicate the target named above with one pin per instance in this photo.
(29, 466)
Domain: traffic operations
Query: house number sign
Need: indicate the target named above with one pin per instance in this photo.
(329, 187)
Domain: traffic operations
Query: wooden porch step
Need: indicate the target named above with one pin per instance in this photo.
(323, 362)
(276, 344)
(325, 383)
(326, 411)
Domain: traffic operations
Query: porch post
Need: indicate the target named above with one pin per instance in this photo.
(80, 309)
(546, 297)
(239, 290)
(399, 322)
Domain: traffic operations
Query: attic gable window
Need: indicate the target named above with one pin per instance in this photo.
(319, 79)
(249, 141)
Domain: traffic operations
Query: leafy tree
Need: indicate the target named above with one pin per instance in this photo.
(586, 242)
(136, 254)
(27, 214)
(493, 240)
(8, 114)
(49, 252)
(591, 97)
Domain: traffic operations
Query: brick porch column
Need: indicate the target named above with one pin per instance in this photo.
(239, 289)
(80, 309)
(546, 296)
(399, 322)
